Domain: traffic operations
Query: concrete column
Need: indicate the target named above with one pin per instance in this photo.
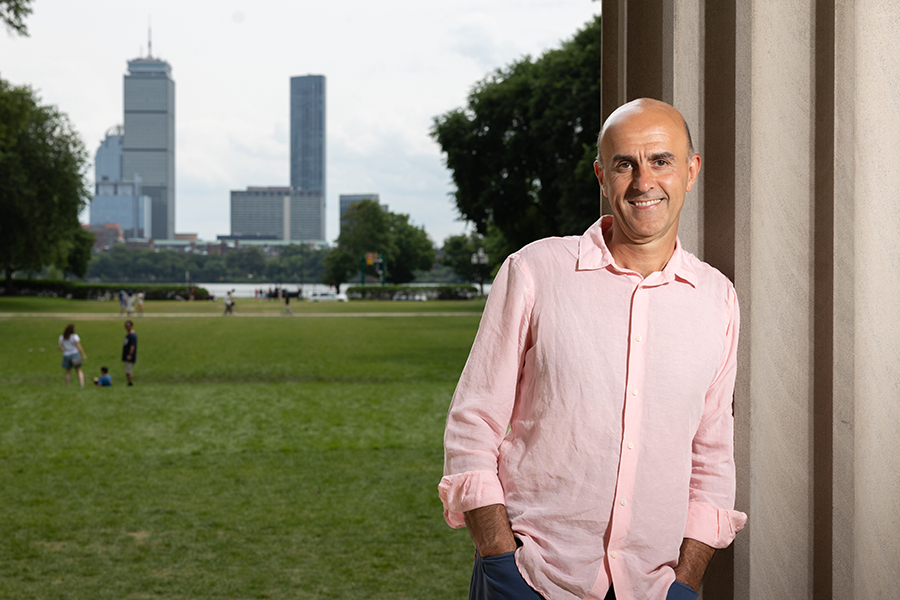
(684, 90)
(876, 316)
(844, 347)
(781, 247)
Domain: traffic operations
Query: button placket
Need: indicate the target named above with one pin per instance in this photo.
(636, 365)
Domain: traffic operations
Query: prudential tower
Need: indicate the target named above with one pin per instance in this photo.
(149, 145)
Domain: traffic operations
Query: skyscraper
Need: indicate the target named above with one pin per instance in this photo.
(149, 143)
(308, 133)
(116, 200)
(108, 160)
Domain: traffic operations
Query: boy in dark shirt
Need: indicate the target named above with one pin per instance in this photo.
(129, 351)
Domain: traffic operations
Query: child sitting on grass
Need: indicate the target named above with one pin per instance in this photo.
(104, 380)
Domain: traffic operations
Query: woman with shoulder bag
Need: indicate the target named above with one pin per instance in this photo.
(73, 353)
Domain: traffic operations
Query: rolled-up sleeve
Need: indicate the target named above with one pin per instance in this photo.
(483, 402)
(711, 515)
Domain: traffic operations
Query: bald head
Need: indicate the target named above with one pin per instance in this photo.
(646, 108)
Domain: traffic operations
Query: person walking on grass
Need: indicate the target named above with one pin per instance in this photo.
(129, 352)
(229, 303)
(129, 303)
(73, 353)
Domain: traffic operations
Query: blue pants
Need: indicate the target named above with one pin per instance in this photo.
(498, 578)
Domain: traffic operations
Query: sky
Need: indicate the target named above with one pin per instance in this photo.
(390, 68)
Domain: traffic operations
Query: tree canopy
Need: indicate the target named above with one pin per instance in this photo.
(42, 184)
(521, 151)
(13, 13)
(365, 228)
(296, 264)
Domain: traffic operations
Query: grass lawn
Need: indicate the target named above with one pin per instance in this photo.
(254, 458)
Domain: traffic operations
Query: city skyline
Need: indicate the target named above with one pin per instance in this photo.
(391, 68)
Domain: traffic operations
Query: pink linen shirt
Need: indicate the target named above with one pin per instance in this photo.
(596, 405)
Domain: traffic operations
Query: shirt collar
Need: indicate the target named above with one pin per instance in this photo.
(593, 254)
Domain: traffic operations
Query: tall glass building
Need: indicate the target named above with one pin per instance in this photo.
(115, 200)
(308, 133)
(308, 148)
(149, 141)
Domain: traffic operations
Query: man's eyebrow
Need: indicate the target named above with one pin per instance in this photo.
(616, 158)
(653, 157)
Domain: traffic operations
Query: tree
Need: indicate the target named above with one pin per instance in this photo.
(302, 264)
(13, 13)
(473, 257)
(42, 183)
(80, 255)
(457, 254)
(521, 150)
(248, 261)
(413, 251)
(339, 265)
(365, 228)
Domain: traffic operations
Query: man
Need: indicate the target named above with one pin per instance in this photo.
(589, 442)
(129, 352)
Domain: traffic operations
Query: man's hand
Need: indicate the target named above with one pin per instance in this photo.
(490, 530)
(693, 559)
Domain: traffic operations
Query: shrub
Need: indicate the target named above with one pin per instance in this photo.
(99, 291)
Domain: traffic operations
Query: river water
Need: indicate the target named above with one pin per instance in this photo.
(245, 290)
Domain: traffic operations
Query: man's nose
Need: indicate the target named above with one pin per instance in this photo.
(642, 179)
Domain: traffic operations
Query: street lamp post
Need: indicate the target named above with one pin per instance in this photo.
(479, 259)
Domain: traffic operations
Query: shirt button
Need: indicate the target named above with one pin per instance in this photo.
(638, 337)
(624, 503)
(613, 554)
(630, 446)
(634, 392)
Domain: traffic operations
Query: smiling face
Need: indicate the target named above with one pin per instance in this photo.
(647, 168)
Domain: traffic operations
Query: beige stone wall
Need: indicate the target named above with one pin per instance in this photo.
(795, 106)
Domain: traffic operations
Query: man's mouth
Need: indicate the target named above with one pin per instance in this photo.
(645, 203)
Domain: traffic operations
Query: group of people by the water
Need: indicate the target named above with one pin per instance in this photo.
(74, 356)
(128, 300)
(276, 293)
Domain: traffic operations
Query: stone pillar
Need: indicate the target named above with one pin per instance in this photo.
(795, 107)
(875, 113)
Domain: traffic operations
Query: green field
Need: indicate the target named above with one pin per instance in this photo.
(280, 457)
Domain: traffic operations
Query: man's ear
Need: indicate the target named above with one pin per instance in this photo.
(693, 171)
(598, 172)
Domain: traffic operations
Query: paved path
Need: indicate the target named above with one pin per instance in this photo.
(114, 316)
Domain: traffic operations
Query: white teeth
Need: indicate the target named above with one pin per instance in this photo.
(648, 202)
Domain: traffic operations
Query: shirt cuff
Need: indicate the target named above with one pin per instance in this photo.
(713, 526)
(463, 492)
